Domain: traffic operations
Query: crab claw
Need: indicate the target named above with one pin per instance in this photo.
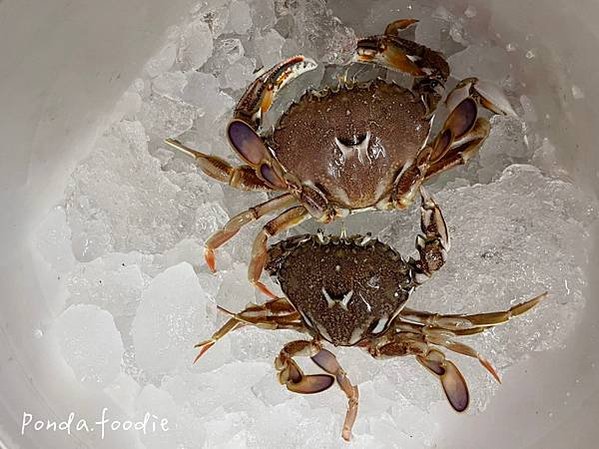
(402, 24)
(453, 382)
(385, 51)
(250, 147)
(460, 122)
(296, 381)
(403, 55)
(259, 96)
(246, 142)
(486, 93)
(314, 383)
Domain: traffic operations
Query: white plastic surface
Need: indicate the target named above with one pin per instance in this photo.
(64, 64)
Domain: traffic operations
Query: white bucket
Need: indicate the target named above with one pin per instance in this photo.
(64, 64)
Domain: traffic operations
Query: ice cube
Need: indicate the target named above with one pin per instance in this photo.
(202, 91)
(483, 61)
(263, 14)
(428, 32)
(120, 199)
(164, 117)
(259, 344)
(226, 52)
(238, 75)
(229, 387)
(210, 217)
(216, 15)
(270, 391)
(196, 45)
(90, 344)
(545, 157)
(222, 429)
(507, 144)
(269, 47)
(170, 317)
(240, 19)
(124, 390)
(530, 115)
(160, 406)
(114, 282)
(319, 33)
(127, 107)
(170, 85)
(188, 250)
(162, 62)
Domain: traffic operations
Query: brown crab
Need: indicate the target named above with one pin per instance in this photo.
(352, 292)
(339, 151)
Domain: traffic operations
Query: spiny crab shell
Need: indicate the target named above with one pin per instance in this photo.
(345, 289)
(330, 138)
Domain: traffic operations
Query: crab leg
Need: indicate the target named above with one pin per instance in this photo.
(403, 55)
(464, 322)
(434, 244)
(328, 362)
(275, 314)
(291, 375)
(446, 152)
(259, 96)
(287, 220)
(231, 325)
(402, 24)
(242, 177)
(233, 226)
(408, 343)
(443, 338)
(461, 151)
(485, 93)
(463, 132)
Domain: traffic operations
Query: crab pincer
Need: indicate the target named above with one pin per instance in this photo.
(259, 96)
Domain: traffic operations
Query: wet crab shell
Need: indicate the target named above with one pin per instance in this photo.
(345, 289)
(352, 142)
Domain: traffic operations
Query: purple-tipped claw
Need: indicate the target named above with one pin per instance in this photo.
(455, 387)
(246, 142)
(327, 361)
(312, 384)
(462, 118)
(442, 144)
(270, 176)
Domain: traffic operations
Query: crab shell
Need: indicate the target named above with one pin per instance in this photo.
(345, 289)
(352, 142)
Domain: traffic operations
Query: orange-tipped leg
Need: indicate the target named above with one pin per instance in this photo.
(287, 220)
(232, 227)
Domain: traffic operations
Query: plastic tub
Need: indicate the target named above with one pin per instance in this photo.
(63, 66)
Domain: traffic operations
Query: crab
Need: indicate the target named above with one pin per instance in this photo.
(352, 291)
(358, 147)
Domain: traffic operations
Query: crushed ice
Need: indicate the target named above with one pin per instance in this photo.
(127, 242)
